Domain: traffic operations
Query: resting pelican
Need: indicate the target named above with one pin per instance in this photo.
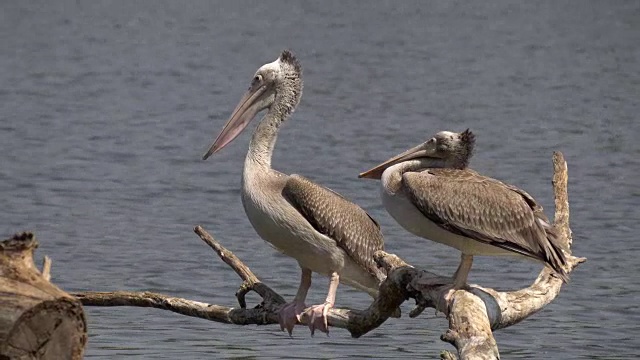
(430, 192)
(322, 230)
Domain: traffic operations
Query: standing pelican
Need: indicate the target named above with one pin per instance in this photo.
(323, 231)
(430, 192)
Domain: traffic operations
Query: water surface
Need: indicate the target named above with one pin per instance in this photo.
(106, 108)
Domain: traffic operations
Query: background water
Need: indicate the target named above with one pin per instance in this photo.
(106, 108)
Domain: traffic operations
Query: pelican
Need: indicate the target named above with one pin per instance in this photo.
(324, 232)
(430, 191)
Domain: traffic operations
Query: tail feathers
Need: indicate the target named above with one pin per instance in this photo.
(560, 272)
(554, 254)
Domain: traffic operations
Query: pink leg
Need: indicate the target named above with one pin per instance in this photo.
(318, 313)
(460, 277)
(290, 313)
(459, 280)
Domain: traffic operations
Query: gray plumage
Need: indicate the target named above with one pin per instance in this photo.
(481, 208)
(353, 230)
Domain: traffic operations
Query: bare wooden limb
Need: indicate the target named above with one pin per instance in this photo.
(46, 268)
(250, 280)
(357, 322)
(473, 313)
(561, 196)
(447, 355)
(469, 328)
(227, 256)
(222, 314)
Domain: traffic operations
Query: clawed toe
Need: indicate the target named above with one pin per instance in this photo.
(291, 313)
(289, 316)
(318, 318)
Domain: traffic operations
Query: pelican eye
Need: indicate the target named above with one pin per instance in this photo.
(256, 79)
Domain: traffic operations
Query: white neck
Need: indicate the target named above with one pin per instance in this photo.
(263, 140)
(392, 176)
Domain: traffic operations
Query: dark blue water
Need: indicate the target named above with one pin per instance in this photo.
(106, 108)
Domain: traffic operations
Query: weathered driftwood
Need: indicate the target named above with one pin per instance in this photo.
(473, 313)
(37, 319)
(357, 322)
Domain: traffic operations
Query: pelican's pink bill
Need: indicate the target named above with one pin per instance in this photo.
(246, 110)
(376, 172)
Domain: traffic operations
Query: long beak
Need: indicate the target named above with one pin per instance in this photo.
(246, 110)
(413, 153)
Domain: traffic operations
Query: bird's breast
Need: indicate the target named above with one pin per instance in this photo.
(277, 222)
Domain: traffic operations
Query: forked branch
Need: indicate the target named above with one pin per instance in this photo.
(473, 313)
(357, 322)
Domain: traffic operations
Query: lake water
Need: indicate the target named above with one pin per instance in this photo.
(106, 108)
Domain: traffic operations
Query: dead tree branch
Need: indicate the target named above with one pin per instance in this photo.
(473, 313)
(357, 322)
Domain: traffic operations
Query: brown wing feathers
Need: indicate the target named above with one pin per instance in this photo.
(339, 219)
(469, 204)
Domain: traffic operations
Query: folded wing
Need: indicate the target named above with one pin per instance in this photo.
(353, 230)
(487, 210)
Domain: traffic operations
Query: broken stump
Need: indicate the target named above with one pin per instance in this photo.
(37, 319)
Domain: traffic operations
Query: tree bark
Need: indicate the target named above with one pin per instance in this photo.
(37, 319)
(473, 313)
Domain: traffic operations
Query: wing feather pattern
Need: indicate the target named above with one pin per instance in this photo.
(354, 231)
(481, 208)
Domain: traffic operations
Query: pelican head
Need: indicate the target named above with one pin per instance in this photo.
(453, 149)
(276, 86)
